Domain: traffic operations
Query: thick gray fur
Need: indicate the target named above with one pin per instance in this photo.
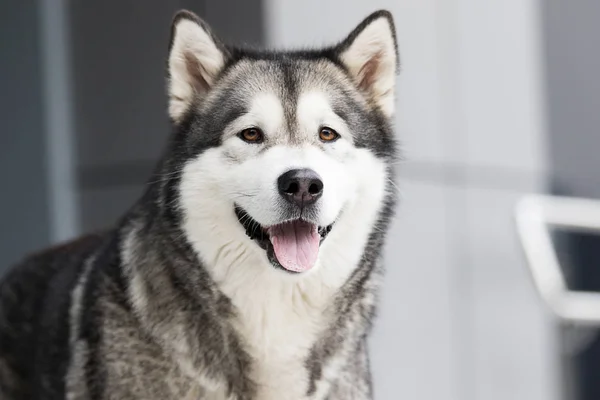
(106, 315)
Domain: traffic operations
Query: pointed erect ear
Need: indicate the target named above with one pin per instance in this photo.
(196, 57)
(370, 54)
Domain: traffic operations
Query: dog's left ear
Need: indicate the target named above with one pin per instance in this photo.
(196, 57)
(370, 54)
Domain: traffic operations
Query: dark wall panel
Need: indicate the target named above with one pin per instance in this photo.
(23, 193)
(571, 32)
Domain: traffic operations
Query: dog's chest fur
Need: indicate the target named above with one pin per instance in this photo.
(279, 321)
(278, 317)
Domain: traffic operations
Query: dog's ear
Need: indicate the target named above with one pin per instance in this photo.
(370, 54)
(196, 57)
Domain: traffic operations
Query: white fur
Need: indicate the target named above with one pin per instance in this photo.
(190, 40)
(314, 111)
(280, 315)
(376, 41)
(75, 387)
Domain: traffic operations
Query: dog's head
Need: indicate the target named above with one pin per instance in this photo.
(281, 152)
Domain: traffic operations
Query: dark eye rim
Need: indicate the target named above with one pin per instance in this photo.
(260, 139)
(336, 135)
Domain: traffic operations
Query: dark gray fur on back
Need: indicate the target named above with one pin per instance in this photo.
(69, 327)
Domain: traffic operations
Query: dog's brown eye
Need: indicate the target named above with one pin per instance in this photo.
(328, 135)
(251, 135)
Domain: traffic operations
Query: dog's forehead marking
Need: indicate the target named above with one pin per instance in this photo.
(313, 109)
(267, 110)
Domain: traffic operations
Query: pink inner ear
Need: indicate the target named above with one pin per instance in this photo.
(368, 72)
(195, 70)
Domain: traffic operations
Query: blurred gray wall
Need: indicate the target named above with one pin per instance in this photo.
(572, 35)
(24, 192)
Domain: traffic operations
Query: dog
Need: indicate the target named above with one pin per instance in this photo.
(250, 267)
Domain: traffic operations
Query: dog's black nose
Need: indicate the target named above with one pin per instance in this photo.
(300, 186)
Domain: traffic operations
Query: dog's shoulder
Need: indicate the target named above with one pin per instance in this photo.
(34, 301)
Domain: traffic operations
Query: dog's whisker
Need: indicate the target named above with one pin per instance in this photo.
(239, 195)
(165, 177)
(394, 185)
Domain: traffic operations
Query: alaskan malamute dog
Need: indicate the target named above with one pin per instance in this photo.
(250, 267)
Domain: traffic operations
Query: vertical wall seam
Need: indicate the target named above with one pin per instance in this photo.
(58, 118)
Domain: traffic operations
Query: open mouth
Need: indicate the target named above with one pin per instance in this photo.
(292, 246)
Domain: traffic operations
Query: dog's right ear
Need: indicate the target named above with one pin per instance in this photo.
(196, 57)
(370, 53)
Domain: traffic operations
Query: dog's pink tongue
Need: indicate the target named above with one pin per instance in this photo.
(296, 245)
